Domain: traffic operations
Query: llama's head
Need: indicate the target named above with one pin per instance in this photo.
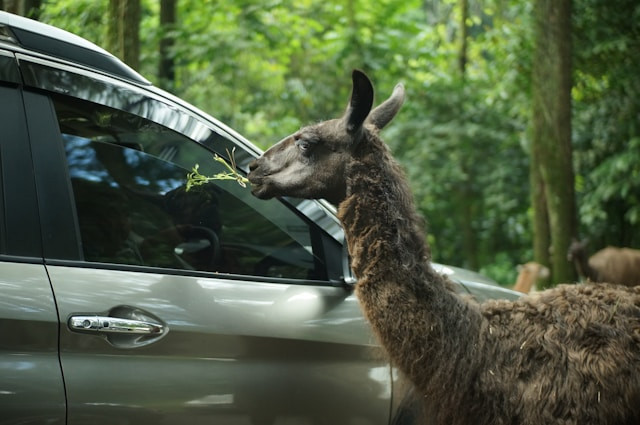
(311, 162)
(536, 270)
(577, 250)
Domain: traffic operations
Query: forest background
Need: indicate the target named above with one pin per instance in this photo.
(521, 129)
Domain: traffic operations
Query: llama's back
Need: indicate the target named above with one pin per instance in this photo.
(567, 355)
(617, 265)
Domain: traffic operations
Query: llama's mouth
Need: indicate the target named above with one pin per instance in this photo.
(259, 188)
(261, 192)
(255, 180)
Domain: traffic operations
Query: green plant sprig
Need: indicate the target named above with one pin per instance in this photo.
(194, 178)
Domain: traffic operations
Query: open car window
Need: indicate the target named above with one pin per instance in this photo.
(128, 176)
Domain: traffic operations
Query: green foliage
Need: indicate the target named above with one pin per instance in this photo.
(501, 269)
(461, 140)
(86, 18)
(605, 121)
(267, 68)
(195, 178)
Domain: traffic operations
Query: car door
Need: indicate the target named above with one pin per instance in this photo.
(31, 385)
(186, 306)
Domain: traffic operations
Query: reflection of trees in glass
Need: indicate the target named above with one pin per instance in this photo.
(129, 179)
(124, 166)
(82, 160)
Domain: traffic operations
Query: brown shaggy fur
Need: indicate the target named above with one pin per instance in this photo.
(611, 264)
(569, 355)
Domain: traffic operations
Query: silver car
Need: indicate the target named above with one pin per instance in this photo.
(126, 299)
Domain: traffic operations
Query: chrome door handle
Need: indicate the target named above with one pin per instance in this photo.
(106, 324)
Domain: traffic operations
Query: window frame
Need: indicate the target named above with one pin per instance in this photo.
(62, 244)
(20, 236)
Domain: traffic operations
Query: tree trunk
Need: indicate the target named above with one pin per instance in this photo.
(166, 67)
(11, 6)
(31, 8)
(551, 148)
(541, 232)
(464, 35)
(123, 31)
(28, 8)
(467, 195)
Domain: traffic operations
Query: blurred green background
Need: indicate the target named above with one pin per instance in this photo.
(465, 132)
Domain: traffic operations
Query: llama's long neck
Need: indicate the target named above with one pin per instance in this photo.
(526, 279)
(424, 326)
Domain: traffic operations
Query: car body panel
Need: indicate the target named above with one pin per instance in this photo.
(236, 352)
(480, 287)
(31, 385)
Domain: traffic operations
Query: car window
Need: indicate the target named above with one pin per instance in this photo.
(128, 176)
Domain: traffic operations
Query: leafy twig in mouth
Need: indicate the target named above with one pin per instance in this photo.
(194, 178)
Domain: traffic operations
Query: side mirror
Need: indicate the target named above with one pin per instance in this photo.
(348, 278)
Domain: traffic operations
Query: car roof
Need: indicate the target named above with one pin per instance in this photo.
(46, 39)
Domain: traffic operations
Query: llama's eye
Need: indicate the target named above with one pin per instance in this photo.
(304, 146)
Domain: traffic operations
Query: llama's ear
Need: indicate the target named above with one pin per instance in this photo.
(360, 103)
(384, 113)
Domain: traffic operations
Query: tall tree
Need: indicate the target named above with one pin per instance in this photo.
(11, 6)
(166, 66)
(467, 196)
(28, 8)
(31, 8)
(123, 31)
(464, 36)
(540, 225)
(552, 176)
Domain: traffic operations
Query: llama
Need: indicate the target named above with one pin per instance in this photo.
(611, 264)
(567, 355)
(528, 275)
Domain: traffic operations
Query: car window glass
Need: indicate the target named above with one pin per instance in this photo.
(128, 176)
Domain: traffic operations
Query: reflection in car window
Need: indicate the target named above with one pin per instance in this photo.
(128, 176)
